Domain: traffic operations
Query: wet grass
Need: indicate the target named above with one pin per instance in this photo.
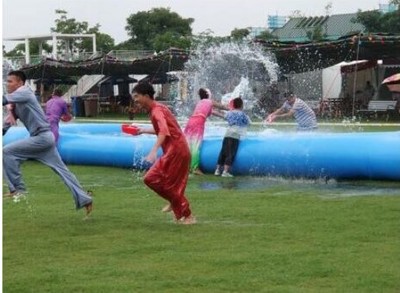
(274, 236)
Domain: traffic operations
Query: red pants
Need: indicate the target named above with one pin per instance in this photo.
(168, 178)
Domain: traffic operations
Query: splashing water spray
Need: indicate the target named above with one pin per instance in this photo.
(230, 70)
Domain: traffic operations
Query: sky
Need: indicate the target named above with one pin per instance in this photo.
(36, 17)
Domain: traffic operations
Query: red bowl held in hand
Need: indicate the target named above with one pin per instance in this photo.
(130, 129)
(66, 117)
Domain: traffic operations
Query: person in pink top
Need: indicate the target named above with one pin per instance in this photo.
(194, 130)
(56, 109)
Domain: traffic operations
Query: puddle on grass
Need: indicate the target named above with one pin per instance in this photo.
(324, 188)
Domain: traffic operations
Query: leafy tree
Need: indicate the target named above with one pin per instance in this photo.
(239, 34)
(207, 39)
(296, 14)
(34, 45)
(266, 35)
(378, 22)
(157, 29)
(65, 25)
(396, 2)
(169, 39)
(316, 34)
(126, 45)
(104, 42)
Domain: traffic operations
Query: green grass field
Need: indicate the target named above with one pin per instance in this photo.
(253, 235)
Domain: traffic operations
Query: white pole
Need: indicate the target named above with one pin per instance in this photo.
(94, 44)
(27, 52)
(54, 52)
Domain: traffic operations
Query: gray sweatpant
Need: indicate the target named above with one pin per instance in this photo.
(43, 149)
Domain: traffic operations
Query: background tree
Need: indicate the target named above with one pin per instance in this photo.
(377, 22)
(158, 29)
(34, 45)
(316, 34)
(65, 25)
(328, 8)
(296, 14)
(266, 35)
(240, 34)
(207, 39)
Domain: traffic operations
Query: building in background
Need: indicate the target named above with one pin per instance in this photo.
(331, 27)
(256, 31)
(276, 21)
(385, 8)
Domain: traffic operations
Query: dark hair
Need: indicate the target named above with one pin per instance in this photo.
(237, 103)
(19, 74)
(58, 92)
(144, 88)
(289, 94)
(203, 93)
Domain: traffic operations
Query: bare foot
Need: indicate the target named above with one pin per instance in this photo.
(167, 208)
(88, 208)
(187, 220)
(198, 172)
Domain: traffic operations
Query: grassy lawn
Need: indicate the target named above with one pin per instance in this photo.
(268, 236)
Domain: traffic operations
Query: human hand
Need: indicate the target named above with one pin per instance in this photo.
(130, 129)
(270, 118)
(151, 157)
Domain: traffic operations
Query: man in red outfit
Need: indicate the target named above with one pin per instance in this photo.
(169, 174)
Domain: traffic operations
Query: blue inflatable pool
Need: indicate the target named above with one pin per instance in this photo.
(372, 155)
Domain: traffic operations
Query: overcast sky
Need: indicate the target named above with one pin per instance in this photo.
(36, 17)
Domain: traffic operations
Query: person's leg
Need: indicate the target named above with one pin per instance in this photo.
(13, 155)
(226, 168)
(231, 150)
(168, 178)
(54, 129)
(222, 153)
(194, 146)
(52, 159)
(194, 132)
(232, 145)
(217, 170)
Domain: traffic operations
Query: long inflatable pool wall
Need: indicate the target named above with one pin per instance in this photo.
(336, 155)
(372, 155)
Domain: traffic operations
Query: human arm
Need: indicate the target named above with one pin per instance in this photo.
(218, 114)
(21, 95)
(290, 113)
(161, 129)
(142, 130)
(10, 118)
(152, 156)
(271, 117)
(65, 109)
(220, 106)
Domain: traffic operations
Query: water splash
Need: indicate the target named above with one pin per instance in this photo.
(325, 188)
(230, 70)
